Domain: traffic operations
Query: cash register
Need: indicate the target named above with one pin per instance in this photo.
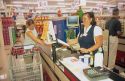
(95, 72)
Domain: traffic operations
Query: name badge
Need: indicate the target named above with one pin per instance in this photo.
(83, 35)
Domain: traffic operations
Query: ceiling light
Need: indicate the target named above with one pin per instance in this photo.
(96, 2)
(64, 3)
(61, 4)
(24, 2)
(56, 0)
(48, 7)
(109, 5)
(14, 5)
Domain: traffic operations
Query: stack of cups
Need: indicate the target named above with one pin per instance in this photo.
(85, 59)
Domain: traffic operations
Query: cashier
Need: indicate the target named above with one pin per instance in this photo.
(90, 37)
(31, 34)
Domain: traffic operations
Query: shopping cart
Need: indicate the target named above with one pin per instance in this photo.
(26, 66)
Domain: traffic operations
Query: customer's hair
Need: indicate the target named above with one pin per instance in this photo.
(24, 28)
(91, 15)
(29, 22)
(115, 11)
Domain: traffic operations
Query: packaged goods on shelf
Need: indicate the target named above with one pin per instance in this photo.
(39, 23)
(6, 22)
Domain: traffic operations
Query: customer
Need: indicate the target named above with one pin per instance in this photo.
(114, 27)
(30, 39)
(31, 34)
(90, 37)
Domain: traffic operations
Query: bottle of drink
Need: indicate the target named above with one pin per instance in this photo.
(54, 45)
(91, 59)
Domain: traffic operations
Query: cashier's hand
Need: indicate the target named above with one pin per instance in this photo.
(84, 50)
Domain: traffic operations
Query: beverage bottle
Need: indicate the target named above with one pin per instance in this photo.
(91, 59)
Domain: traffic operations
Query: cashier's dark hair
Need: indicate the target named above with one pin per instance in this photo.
(29, 22)
(91, 15)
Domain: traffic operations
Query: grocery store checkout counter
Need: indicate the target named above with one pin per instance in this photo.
(71, 68)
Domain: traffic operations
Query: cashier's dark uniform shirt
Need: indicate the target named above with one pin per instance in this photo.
(113, 25)
(88, 40)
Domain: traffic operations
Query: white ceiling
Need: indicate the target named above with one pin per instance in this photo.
(63, 4)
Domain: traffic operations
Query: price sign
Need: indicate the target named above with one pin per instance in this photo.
(43, 3)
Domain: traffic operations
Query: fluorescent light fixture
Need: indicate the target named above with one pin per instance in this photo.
(24, 2)
(68, 3)
(82, 1)
(59, 3)
(87, 7)
(96, 1)
(56, 6)
(56, 0)
(49, 7)
(67, 8)
(109, 5)
(14, 5)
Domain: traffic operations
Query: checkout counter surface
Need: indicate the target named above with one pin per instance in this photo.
(76, 68)
(58, 71)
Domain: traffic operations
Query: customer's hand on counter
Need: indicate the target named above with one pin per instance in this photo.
(72, 41)
(84, 50)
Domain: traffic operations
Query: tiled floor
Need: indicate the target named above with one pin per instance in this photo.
(4, 51)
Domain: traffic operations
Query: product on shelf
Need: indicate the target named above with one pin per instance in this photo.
(39, 23)
(7, 22)
(45, 30)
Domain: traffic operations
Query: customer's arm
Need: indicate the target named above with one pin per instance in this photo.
(34, 38)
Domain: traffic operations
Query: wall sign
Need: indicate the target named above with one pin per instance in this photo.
(42, 3)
